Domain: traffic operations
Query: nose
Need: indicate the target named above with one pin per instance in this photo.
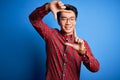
(68, 21)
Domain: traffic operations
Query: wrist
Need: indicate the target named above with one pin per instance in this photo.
(47, 7)
(82, 51)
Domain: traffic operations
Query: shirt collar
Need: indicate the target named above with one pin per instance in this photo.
(69, 37)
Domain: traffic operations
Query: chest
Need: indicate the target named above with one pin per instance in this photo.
(56, 47)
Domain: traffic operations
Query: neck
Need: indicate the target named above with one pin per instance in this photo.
(66, 33)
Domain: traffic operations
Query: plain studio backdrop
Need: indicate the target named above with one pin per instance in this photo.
(22, 50)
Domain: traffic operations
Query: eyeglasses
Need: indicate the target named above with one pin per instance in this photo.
(71, 19)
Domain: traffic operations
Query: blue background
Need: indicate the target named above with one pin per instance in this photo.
(22, 50)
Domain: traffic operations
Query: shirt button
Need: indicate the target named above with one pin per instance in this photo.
(66, 39)
(64, 64)
(64, 54)
(63, 75)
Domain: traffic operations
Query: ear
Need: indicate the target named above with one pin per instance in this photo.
(59, 23)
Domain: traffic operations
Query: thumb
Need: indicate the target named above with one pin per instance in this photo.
(69, 44)
(55, 15)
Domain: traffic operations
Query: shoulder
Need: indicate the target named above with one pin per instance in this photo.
(55, 30)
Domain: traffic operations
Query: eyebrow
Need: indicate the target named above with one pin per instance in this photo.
(66, 17)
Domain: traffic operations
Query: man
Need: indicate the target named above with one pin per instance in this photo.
(65, 51)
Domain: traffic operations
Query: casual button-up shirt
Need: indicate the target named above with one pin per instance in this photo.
(63, 62)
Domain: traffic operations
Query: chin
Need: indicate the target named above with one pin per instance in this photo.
(68, 32)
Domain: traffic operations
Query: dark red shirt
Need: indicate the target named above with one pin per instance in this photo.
(63, 62)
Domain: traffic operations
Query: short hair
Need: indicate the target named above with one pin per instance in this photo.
(68, 7)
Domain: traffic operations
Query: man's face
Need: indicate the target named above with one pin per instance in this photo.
(67, 21)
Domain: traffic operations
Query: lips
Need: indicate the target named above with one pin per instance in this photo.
(67, 27)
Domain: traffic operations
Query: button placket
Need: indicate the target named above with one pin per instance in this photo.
(64, 65)
(63, 75)
(66, 39)
(65, 61)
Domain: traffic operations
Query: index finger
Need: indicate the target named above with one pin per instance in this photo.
(74, 32)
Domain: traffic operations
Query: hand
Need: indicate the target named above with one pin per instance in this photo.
(55, 7)
(77, 40)
(78, 45)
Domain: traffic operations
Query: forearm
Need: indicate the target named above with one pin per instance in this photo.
(36, 20)
(89, 60)
(91, 63)
(39, 13)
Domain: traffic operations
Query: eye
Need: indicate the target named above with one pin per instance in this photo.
(72, 19)
(63, 18)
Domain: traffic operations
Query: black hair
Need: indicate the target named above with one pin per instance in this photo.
(68, 7)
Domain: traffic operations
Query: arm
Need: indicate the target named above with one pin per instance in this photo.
(36, 20)
(89, 60)
(84, 50)
(37, 15)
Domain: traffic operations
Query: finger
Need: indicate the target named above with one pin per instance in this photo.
(61, 5)
(75, 35)
(69, 44)
(76, 39)
(80, 41)
(55, 15)
(75, 46)
(74, 32)
(83, 46)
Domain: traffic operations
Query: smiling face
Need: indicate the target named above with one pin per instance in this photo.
(67, 22)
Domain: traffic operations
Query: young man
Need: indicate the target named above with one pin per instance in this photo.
(65, 51)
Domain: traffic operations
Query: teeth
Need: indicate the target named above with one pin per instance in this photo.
(67, 27)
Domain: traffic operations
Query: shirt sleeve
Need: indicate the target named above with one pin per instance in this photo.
(89, 60)
(36, 20)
